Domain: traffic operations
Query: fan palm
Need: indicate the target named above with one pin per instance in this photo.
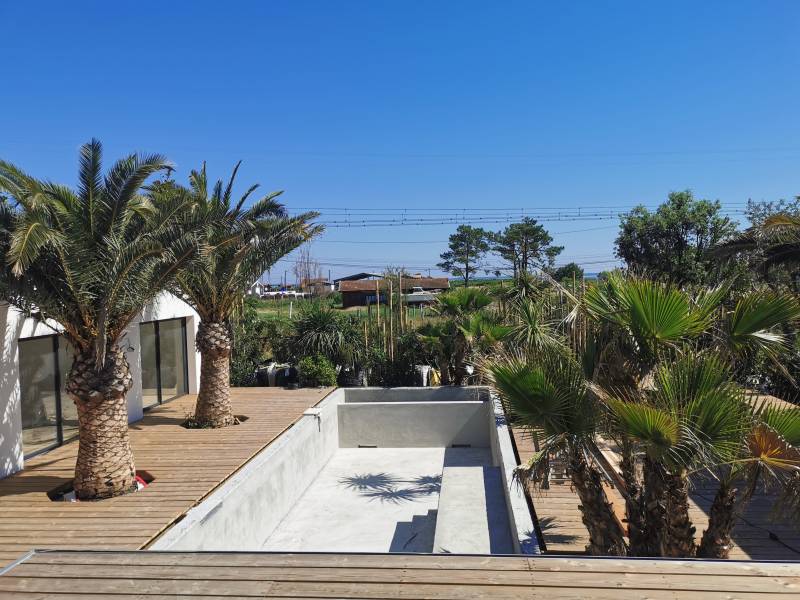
(771, 451)
(463, 309)
(437, 338)
(91, 259)
(693, 417)
(548, 393)
(238, 245)
(635, 323)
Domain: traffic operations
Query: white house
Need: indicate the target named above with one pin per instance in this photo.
(36, 415)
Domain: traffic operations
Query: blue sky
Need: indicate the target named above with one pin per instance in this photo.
(439, 106)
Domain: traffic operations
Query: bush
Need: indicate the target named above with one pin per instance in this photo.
(279, 333)
(316, 371)
(409, 352)
(249, 346)
(321, 330)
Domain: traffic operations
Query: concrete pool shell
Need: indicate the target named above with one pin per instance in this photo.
(374, 470)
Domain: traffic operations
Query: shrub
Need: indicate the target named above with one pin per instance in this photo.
(409, 352)
(315, 371)
(279, 333)
(249, 345)
(321, 330)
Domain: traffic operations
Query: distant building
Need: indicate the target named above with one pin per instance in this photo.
(364, 292)
(357, 277)
(317, 286)
(257, 289)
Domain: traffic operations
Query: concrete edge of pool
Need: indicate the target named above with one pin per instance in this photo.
(290, 487)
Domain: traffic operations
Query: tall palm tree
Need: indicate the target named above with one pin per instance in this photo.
(547, 392)
(238, 244)
(91, 259)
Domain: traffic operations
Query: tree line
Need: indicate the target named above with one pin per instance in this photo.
(685, 241)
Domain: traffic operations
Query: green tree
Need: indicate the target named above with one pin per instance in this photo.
(693, 417)
(239, 244)
(769, 454)
(91, 259)
(467, 247)
(671, 243)
(525, 246)
(568, 272)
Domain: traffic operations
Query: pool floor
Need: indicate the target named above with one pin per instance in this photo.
(372, 500)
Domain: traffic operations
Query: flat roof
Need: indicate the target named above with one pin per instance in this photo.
(146, 574)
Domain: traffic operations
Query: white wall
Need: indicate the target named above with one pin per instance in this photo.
(15, 326)
(414, 424)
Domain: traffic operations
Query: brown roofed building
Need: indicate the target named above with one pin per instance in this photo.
(364, 292)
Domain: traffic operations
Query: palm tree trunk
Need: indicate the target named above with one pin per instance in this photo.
(654, 506)
(214, 407)
(606, 537)
(725, 510)
(460, 359)
(634, 513)
(716, 540)
(105, 466)
(678, 533)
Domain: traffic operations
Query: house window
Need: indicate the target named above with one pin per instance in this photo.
(164, 361)
(49, 416)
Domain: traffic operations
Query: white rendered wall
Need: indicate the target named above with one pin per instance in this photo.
(15, 327)
(413, 424)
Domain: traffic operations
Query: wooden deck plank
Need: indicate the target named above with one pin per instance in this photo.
(207, 574)
(187, 465)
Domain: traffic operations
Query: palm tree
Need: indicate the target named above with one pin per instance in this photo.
(320, 330)
(548, 393)
(238, 245)
(463, 309)
(773, 243)
(693, 417)
(635, 323)
(770, 451)
(91, 259)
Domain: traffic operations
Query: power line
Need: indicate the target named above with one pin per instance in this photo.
(358, 242)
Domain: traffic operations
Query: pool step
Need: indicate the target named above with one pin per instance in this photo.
(415, 535)
(472, 516)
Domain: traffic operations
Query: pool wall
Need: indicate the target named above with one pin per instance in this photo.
(245, 510)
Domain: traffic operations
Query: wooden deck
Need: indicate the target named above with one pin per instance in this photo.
(753, 538)
(145, 575)
(556, 508)
(187, 464)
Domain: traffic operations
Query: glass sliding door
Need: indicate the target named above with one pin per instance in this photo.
(69, 412)
(164, 360)
(48, 415)
(149, 343)
(172, 352)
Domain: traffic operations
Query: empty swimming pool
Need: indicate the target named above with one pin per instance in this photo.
(374, 470)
